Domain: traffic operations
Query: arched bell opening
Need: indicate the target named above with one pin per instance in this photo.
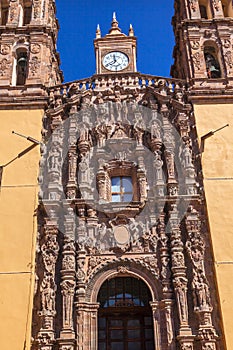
(205, 10)
(27, 12)
(4, 8)
(21, 66)
(227, 8)
(125, 319)
(213, 68)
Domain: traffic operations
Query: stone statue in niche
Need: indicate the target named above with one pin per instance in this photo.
(48, 289)
(201, 293)
(84, 170)
(142, 188)
(54, 160)
(155, 132)
(49, 253)
(118, 104)
(169, 324)
(180, 284)
(165, 270)
(72, 164)
(105, 237)
(84, 132)
(170, 165)
(67, 292)
(101, 135)
(187, 155)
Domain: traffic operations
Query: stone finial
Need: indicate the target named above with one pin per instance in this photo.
(98, 32)
(114, 29)
(131, 31)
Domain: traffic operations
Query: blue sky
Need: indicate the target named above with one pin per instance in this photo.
(151, 21)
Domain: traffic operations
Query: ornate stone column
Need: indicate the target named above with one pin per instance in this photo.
(169, 144)
(156, 321)
(87, 326)
(179, 278)
(71, 188)
(168, 305)
(49, 252)
(195, 246)
(68, 272)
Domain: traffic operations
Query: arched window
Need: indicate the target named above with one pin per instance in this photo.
(203, 12)
(212, 64)
(205, 9)
(21, 67)
(125, 317)
(27, 14)
(227, 8)
(4, 13)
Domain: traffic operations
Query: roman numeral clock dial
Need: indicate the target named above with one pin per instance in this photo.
(115, 61)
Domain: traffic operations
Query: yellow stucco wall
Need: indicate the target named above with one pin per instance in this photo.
(217, 163)
(18, 226)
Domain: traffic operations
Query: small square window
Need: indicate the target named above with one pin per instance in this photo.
(121, 189)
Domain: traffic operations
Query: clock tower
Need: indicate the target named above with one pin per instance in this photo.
(115, 52)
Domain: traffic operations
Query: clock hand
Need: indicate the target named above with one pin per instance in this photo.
(109, 63)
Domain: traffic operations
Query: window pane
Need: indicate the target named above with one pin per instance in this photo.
(127, 197)
(133, 333)
(149, 345)
(148, 321)
(148, 333)
(102, 346)
(134, 346)
(116, 184)
(133, 323)
(127, 184)
(102, 322)
(102, 335)
(116, 323)
(117, 334)
(117, 346)
(116, 198)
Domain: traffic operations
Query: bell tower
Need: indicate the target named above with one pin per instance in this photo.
(115, 52)
(28, 34)
(203, 31)
(203, 56)
(29, 64)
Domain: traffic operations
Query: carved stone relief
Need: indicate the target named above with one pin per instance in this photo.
(92, 240)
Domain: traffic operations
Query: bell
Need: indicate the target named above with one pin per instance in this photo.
(213, 69)
(22, 61)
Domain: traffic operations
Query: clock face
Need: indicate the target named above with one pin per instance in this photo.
(115, 61)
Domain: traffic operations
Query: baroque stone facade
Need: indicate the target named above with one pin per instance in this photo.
(121, 189)
(141, 127)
